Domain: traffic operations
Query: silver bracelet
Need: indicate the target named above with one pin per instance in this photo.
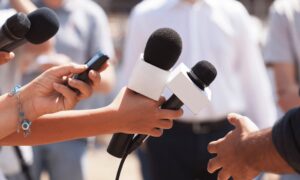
(24, 123)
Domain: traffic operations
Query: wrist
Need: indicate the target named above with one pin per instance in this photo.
(259, 144)
(249, 160)
(26, 100)
(116, 120)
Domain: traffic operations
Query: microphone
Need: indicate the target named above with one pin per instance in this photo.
(14, 28)
(44, 25)
(185, 84)
(150, 75)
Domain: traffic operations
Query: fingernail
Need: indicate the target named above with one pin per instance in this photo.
(11, 55)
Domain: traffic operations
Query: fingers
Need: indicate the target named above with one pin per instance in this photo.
(223, 175)
(165, 123)
(161, 100)
(95, 78)
(69, 95)
(155, 132)
(235, 120)
(84, 89)
(5, 57)
(65, 70)
(170, 114)
(241, 122)
(213, 165)
(212, 147)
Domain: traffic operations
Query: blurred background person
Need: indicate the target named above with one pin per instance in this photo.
(282, 54)
(220, 32)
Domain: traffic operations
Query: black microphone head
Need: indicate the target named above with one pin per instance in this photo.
(203, 74)
(163, 48)
(17, 26)
(44, 25)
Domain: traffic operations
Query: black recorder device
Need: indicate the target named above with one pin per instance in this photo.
(94, 63)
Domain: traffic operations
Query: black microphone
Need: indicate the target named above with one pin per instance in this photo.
(162, 51)
(202, 75)
(44, 25)
(14, 28)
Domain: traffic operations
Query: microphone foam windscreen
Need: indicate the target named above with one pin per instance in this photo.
(18, 25)
(205, 72)
(44, 25)
(163, 48)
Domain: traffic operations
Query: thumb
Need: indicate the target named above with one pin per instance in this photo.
(235, 120)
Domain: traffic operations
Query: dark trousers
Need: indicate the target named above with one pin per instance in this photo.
(181, 153)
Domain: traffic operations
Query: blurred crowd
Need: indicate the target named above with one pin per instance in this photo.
(256, 59)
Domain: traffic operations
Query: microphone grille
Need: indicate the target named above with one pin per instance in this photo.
(163, 48)
(18, 25)
(44, 25)
(205, 71)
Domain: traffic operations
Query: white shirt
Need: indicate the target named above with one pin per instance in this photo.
(218, 31)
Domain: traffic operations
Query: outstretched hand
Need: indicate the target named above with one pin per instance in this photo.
(232, 156)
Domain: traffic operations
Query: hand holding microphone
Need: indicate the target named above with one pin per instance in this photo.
(189, 87)
(150, 75)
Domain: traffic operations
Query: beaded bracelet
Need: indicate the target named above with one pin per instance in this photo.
(24, 123)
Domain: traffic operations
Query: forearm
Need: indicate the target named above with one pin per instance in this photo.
(25, 6)
(66, 125)
(263, 155)
(8, 114)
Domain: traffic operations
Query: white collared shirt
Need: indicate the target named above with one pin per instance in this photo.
(218, 31)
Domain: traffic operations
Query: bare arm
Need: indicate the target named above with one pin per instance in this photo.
(129, 113)
(245, 152)
(65, 126)
(286, 84)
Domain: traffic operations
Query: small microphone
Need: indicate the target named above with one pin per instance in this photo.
(14, 28)
(150, 75)
(202, 75)
(44, 25)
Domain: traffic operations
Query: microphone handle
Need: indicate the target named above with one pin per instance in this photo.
(4, 39)
(119, 143)
(10, 47)
(173, 103)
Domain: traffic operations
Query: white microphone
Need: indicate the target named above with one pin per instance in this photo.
(150, 76)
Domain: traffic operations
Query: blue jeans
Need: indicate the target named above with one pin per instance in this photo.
(63, 161)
